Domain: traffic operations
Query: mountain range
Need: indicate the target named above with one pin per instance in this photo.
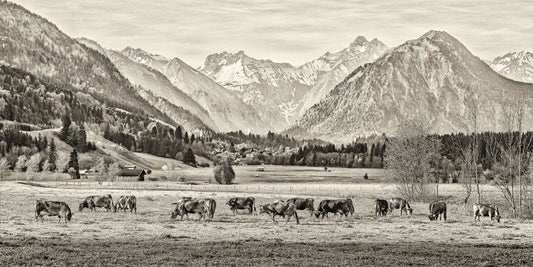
(366, 88)
(431, 76)
(280, 92)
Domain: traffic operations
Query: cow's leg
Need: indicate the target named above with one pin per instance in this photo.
(444, 215)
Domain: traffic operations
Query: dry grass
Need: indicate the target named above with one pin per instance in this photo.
(251, 239)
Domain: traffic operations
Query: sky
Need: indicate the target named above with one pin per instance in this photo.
(292, 31)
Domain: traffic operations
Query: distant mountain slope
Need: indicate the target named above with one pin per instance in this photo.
(155, 88)
(273, 89)
(228, 112)
(331, 68)
(34, 44)
(517, 66)
(427, 76)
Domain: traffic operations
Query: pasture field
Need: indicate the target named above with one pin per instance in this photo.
(151, 237)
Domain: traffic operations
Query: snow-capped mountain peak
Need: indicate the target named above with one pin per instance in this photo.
(517, 66)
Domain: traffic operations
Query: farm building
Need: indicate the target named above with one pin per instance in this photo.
(131, 174)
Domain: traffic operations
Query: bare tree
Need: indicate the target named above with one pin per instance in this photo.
(410, 157)
(21, 163)
(33, 165)
(62, 161)
(510, 163)
(472, 103)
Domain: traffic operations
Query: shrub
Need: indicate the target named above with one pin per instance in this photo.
(224, 173)
(204, 165)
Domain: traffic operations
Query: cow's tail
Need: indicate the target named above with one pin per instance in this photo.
(253, 204)
(213, 208)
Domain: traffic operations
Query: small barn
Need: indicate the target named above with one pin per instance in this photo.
(131, 174)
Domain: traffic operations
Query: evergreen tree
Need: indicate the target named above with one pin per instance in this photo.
(178, 133)
(82, 138)
(186, 138)
(63, 135)
(53, 155)
(189, 158)
(73, 163)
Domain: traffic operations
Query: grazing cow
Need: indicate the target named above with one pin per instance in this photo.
(400, 203)
(280, 208)
(93, 202)
(437, 208)
(486, 210)
(52, 208)
(187, 205)
(303, 203)
(343, 206)
(126, 202)
(382, 207)
(242, 203)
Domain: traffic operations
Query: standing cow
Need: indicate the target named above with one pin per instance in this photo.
(52, 208)
(342, 206)
(400, 203)
(382, 207)
(437, 208)
(93, 202)
(125, 203)
(187, 205)
(486, 210)
(242, 203)
(280, 208)
(303, 203)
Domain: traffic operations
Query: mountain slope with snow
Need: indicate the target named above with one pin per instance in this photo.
(228, 112)
(517, 66)
(282, 92)
(273, 89)
(428, 76)
(331, 68)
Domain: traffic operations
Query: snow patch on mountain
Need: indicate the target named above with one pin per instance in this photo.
(517, 66)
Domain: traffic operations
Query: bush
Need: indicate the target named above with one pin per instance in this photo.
(204, 165)
(224, 173)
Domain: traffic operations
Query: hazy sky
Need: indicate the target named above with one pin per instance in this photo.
(291, 31)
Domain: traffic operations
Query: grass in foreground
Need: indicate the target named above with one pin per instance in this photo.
(169, 250)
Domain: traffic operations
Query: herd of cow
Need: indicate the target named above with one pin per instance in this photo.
(205, 207)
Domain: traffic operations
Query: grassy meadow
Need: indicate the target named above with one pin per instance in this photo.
(151, 237)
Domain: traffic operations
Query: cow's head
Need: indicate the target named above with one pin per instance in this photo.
(69, 216)
(310, 204)
(262, 209)
(432, 217)
(231, 202)
(409, 211)
(83, 205)
(175, 214)
(497, 215)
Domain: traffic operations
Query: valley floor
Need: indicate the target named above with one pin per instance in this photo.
(150, 237)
